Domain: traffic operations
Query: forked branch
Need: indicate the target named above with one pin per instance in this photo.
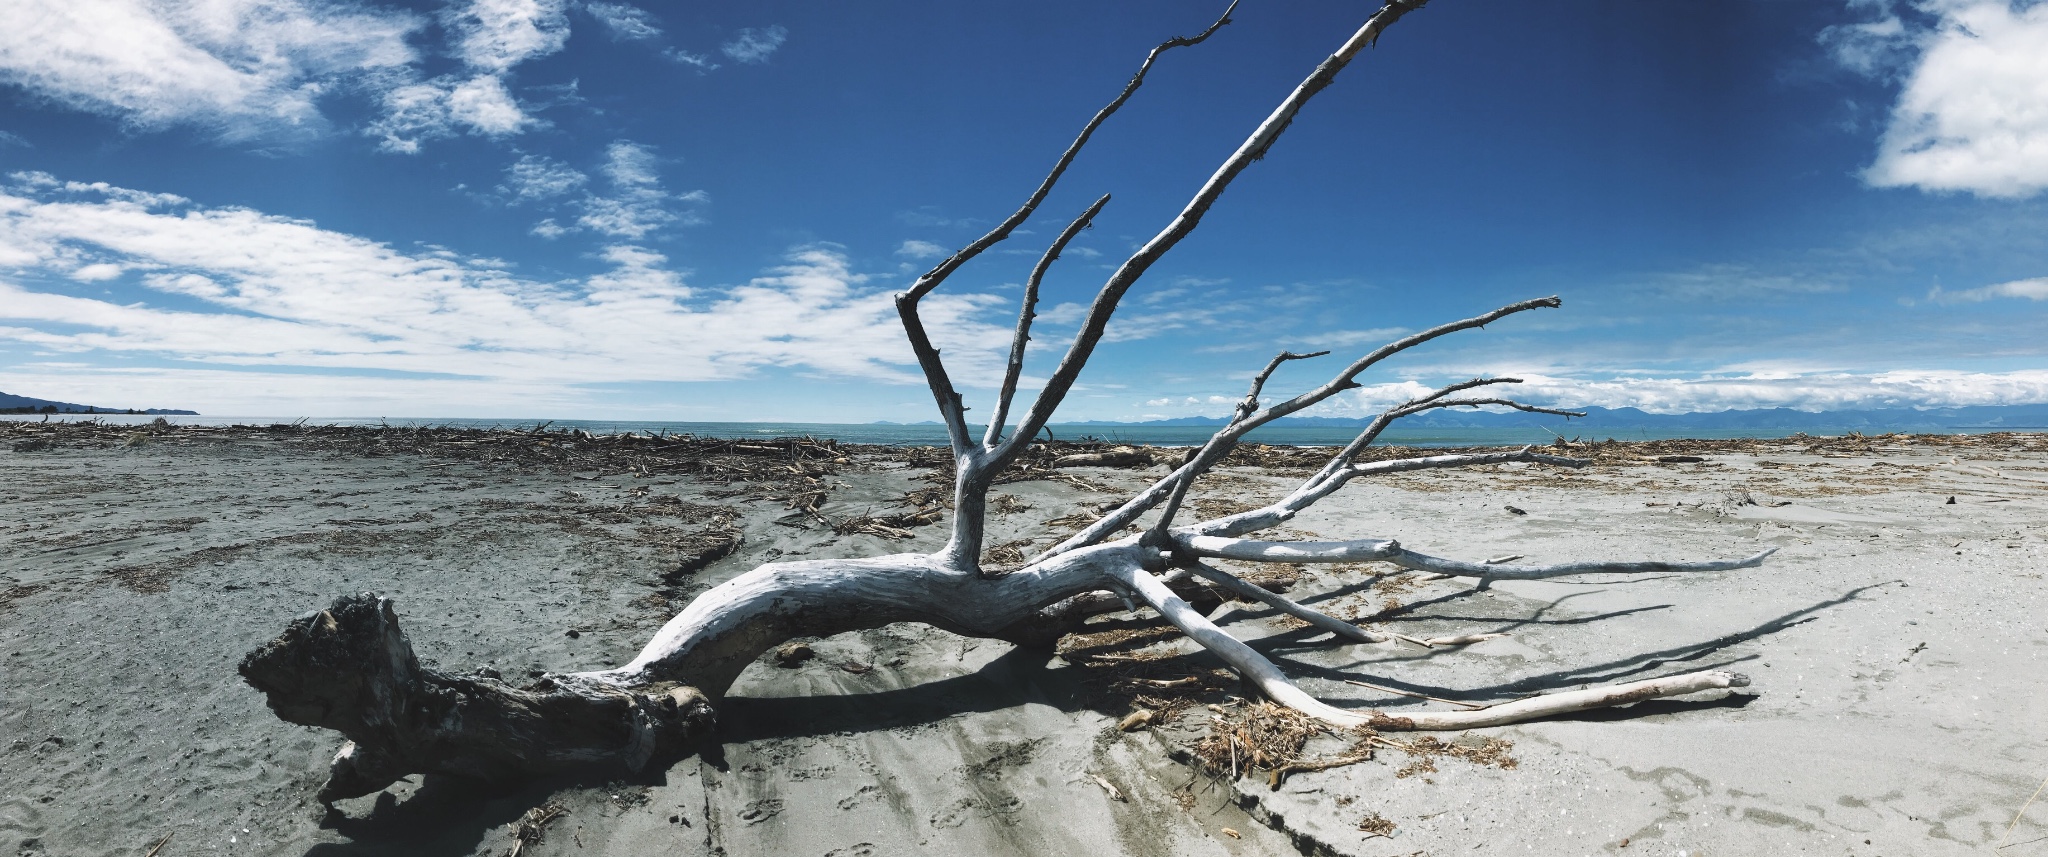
(948, 399)
(1021, 337)
(1226, 439)
(1254, 147)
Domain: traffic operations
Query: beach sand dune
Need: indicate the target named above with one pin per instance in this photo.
(1895, 641)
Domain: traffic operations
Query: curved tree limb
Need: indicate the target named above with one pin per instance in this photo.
(1255, 668)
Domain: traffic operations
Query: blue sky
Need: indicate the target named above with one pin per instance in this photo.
(553, 208)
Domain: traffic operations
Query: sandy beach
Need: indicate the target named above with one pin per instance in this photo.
(1895, 641)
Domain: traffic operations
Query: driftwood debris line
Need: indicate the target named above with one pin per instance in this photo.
(714, 459)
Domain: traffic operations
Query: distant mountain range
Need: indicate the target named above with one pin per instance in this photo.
(11, 404)
(1877, 420)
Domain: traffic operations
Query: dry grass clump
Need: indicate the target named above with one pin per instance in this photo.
(897, 526)
(1006, 555)
(1008, 504)
(1262, 736)
(1425, 750)
(1376, 825)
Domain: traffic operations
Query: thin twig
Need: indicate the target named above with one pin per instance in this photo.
(2015, 817)
(1470, 705)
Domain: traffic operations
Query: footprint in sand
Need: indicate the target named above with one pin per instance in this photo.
(760, 811)
(866, 793)
(956, 814)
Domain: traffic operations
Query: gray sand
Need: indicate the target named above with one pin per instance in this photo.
(1896, 644)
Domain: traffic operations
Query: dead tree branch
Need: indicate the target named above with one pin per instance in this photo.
(351, 669)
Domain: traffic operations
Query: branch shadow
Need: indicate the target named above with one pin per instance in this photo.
(1013, 678)
(1693, 655)
(449, 816)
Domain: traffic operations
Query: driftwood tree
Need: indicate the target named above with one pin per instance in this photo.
(350, 668)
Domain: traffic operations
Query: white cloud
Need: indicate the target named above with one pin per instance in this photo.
(277, 292)
(679, 56)
(260, 70)
(445, 106)
(483, 104)
(538, 177)
(915, 249)
(245, 69)
(96, 272)
(638, 204)
(2035, 289)
(1065, 312)
(756, 46)
(1973, 113)
(1806, 391)
(623, 21)
(1879, 48)
(1336, 339)
(495, 35)
(549, 229)
(1733, 282)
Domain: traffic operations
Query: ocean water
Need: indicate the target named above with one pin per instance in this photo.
(933, 435)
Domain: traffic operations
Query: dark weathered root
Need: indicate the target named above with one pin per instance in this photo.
(351, 669)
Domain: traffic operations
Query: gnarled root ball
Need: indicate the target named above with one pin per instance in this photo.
(351, 669)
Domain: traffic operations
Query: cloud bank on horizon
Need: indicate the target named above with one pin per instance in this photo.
(471, 209)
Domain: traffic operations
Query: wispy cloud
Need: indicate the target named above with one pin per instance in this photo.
(1735, 282)
(261, 71)
(234, 286)
(756, 45)
(242, 69)
(1806, 391)
(624, 22)
(538, 177)
(1969, 115)
(915, 249)
(495, 35)
(638, 204)
(1336, 339)
(2035, 289)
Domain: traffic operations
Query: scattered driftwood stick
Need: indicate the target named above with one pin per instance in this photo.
(1461, 639)
(1122, 456)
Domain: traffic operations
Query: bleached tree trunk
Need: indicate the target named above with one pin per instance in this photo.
(349, 668)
